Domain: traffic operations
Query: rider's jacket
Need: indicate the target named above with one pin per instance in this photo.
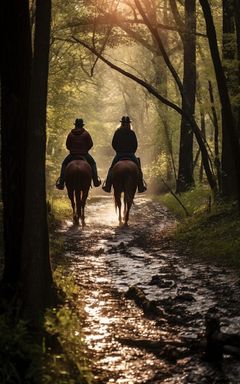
(124, 141)
(79, 141)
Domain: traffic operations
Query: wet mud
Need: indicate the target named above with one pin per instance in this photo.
(145, 303)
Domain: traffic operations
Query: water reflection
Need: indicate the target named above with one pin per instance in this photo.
(106, 260)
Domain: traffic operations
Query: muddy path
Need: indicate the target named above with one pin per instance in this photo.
(151, 332)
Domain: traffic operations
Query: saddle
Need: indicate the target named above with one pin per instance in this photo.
(79, 157)
(126, 157)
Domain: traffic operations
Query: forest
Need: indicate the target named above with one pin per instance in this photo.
(155, 300)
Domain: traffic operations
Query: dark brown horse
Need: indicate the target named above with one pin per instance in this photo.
(78, 176)
(125, 176)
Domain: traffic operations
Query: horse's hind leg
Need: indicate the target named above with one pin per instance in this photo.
(118, 205)
(83, 203)
(78, 203)
(126, 217)
(71, 197)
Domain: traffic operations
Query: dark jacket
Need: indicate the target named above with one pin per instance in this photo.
(124, 141)
(79, 141)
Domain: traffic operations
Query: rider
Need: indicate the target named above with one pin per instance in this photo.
(79, 142)
(125, 144)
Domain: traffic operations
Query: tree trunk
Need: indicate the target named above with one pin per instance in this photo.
(237, 26)
(229, 134)
(15, 87)
(229, 178)
(185, 178)
(36, 271)
(216, 135)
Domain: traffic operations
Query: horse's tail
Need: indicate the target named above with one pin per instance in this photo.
(78, 201)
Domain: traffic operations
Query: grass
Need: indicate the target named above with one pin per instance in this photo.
(20, 356)
(195, 201)
(61, 357)
(65, 360)
(212, 235)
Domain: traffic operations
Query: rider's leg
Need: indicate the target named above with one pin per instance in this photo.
(61, 179)
(141, 183)
(91, 161)
(107, 185)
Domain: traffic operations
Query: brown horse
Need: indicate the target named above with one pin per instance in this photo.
(78, 176)
(125, 176)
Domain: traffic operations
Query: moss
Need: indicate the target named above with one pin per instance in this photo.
(196, 201)
(65, 358)
(214, 235)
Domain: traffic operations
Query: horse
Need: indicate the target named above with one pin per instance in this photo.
(125, 176)
(78, 176)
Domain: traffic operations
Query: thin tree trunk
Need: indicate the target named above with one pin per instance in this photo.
(36, 271)
(216, 135)
(229, 178)
(228, 125)
(203, 130)
(185, 178)
(237, 26)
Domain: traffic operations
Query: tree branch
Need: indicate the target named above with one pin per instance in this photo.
(147, 86)
(154, 92)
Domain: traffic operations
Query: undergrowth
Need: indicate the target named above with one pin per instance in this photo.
(60, 358)
(211, 232)
(65, 361)
(20, 355)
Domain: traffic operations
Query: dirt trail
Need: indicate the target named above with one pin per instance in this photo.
(130, 343)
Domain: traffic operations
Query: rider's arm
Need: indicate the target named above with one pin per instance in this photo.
(68, 141)
(115, 141)
(134, 141)
(89, 142)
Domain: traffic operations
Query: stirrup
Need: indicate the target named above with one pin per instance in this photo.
(60, 184)
(143, 187)
(106, 187)
(97, 182)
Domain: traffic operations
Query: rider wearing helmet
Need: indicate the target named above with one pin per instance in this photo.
(79, 142)
(125, 144)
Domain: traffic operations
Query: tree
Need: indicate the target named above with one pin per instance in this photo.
(229, 134)
(229, 179)
(146, 20)
(35, 268)
(15, 88)
(185, 178)
(24, 95)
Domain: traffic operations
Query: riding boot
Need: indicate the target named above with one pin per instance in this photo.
(96, 179)
(107, 185)
(142, 187)
(60, 180)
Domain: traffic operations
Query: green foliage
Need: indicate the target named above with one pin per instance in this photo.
(20, 356)
(214, 236)
(196, 201)
(65, 361)
(211, 233)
